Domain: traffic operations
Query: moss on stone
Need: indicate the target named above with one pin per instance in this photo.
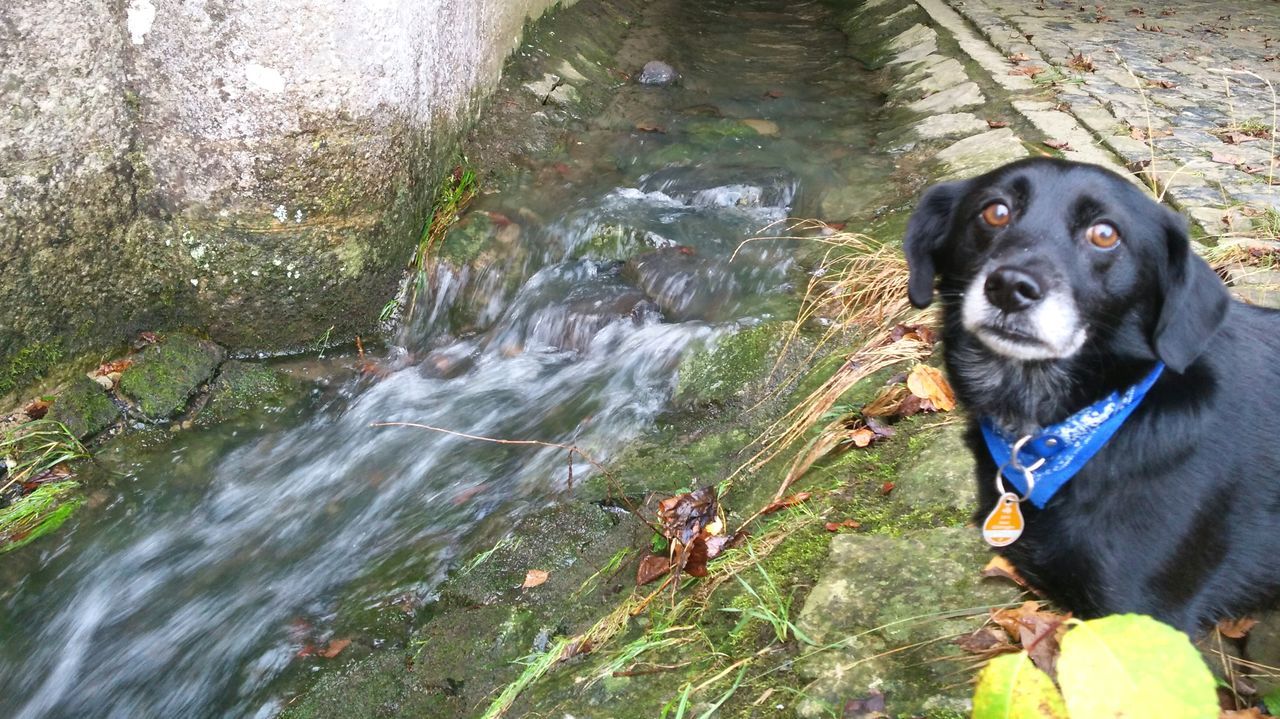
(241, 387)
(84, 408)
(718, 373)
(29, 364)
(167, 373)
(467, 239)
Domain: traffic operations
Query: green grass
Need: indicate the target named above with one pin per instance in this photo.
(37, 514)
(33, 448)
(457, 191)
(770, 606)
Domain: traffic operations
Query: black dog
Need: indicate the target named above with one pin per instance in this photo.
(1065, 288)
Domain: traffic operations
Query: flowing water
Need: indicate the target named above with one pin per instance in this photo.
(192, 583)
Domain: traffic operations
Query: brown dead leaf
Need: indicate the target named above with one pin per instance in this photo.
(871, 706)
(1166, 84)
(649, 127)
(1000, 567)
(928, 383)
(796, 499)
(1038, 631)
(1080, 62)
(773, 94)
(1226, 158)
(149, 337)
(119, 365)
(862, 437)
(1139, 133)
(1028, 70)
(1019, 57)
(920, 333)
(1058, 144)
(684, 515)
(651, 567)
(534, 577)
(334, 648)
(1236, 138)
(36, 409)
(987, 641)
(1236, 628)
(886, 488)
(1250, 713)
(997, 124)
(851, 524)
(832, 526)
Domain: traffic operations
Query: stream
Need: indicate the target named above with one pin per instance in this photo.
(197, 581)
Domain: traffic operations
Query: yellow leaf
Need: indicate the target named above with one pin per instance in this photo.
(928, 383)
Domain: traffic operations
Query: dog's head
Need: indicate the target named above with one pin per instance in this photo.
(1039, 257)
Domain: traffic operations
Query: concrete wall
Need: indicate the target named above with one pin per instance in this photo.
(256, 168)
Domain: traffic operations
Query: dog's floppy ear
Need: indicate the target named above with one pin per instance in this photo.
(927, 231)
(1195, 301)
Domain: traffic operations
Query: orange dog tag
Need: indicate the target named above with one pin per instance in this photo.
(1004, 525)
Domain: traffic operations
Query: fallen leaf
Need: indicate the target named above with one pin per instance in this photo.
(651, 567)
(695, 557)
(1236, 138)
(886, 488)
(997, 123)
(773, 94)
(1080, 62)
(871, 706)
(1226, 158)
(684, 515)
(334, 648)
(863, 437)
(1058, 144)
(768, 128)
(1236, 628)
(36, 409)
(119, 365)
(999, 567)
(149, 337)
(791, 501)
(928, 383)
(1250, 713)
(534, 577)
(649, 127)
(851, 524)
(1019, 57)
(987, 641)
(832, 526)
(1166, 84)
(1028, 70)
(1038, 631)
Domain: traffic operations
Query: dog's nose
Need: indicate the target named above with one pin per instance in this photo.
(1012, 289)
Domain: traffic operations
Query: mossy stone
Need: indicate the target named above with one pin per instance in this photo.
(938, 471)
(244, 386)
(84, 408)
(879, 595)
(721, 371)
(167, 373)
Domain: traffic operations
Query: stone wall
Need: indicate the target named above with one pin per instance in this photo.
(256, 169)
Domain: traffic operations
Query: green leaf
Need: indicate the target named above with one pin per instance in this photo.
(1271, 700)
(1127, 666)
(1011, 687)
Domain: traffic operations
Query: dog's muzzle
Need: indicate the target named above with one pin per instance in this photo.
(1017, 313)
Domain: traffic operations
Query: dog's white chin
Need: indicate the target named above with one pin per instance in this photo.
(1053, 326)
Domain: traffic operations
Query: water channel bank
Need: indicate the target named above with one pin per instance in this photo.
(294, 559)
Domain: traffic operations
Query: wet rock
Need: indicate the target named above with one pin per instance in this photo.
(657, 73)
(84, 408)
(915, 43)
(868, 598)
(764, 128)
(938, 472)
(614, 241)
(721, 371)
(1255, 285)
(684, 285)
(951, 99)
(772, 188)
(979, 153)
(951, 124)
(927, 79)
(553, 90)
(166, 374)
(242, 387)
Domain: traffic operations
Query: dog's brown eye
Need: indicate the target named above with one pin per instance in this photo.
(1103, 235)
(996, 214)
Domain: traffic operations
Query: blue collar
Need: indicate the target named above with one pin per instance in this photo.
(1066, 446)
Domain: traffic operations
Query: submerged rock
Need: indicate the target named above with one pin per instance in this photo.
(657, 73)
(166, 374)
(684, 285)
(747, 187)
(84, 408)
(879, 595)
(244, 386)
